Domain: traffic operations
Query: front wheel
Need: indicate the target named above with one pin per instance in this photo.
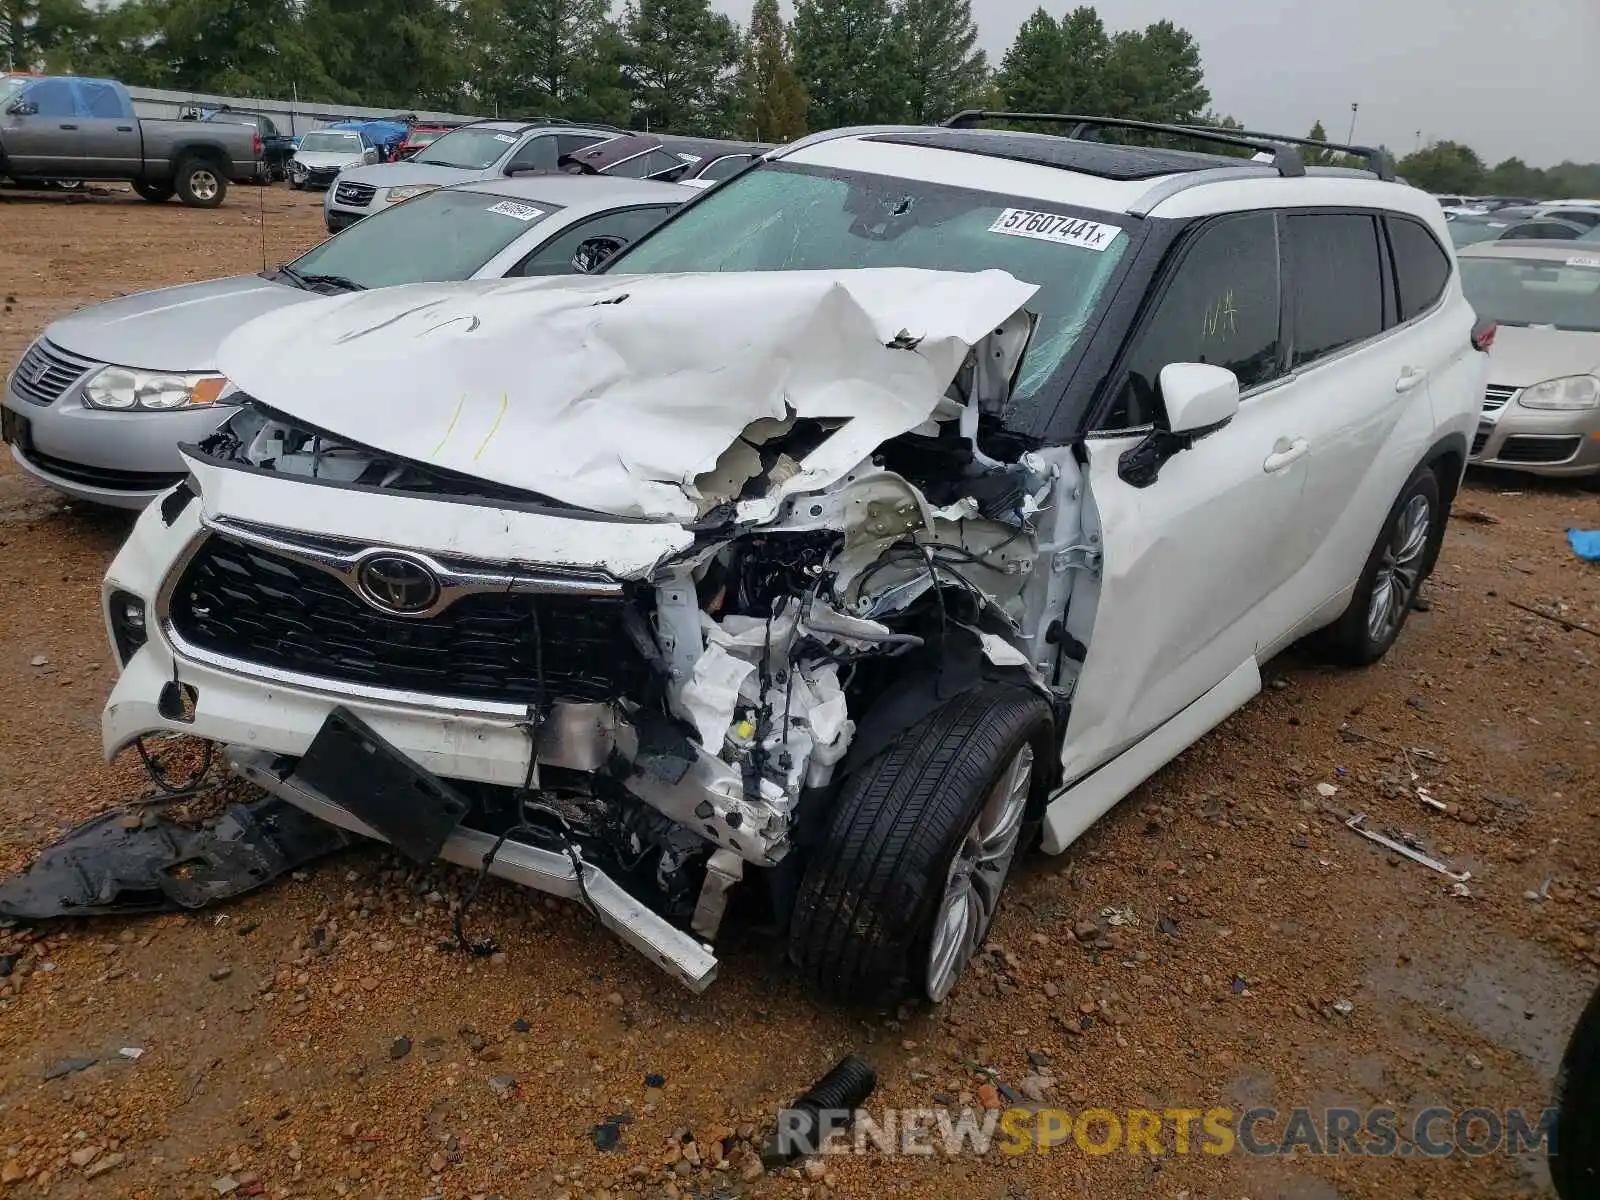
(156, 193)
(901, 892)
(1392, 577)
(201, 183)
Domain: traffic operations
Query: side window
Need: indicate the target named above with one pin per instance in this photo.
(567, 143)
(1220, 306)
(1336, 281)
(99, 99)
(1579, 216)
(54, 98)
(268, 129)
(536, 154)
(555, 256)
(1421, 267)
(728, 164)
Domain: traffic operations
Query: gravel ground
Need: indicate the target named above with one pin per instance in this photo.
(1220, 940)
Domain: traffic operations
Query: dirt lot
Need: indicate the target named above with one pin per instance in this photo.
(1246, 948)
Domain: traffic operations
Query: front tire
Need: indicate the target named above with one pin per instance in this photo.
(155, 193)
(903, 888)
(1393, 575)
(201, 183)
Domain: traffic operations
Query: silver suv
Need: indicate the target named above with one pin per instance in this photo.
(484, 150)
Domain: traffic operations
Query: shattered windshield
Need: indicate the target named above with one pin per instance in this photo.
(788, 218)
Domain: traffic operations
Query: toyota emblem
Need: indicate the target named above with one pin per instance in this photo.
(397, 583)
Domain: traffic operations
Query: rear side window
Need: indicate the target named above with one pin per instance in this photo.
(99, 99)
(1220, 307)
(728, 164)
(1337, 283)
(1421, 267)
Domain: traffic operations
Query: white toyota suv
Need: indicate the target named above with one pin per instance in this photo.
(913, 493)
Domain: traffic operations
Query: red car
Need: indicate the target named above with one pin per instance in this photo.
(420, 136)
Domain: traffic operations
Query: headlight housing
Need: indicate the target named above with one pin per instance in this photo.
(1568, 393)
(124, 389)
(409, 191)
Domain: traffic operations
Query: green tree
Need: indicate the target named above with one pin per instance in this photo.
(1513, 177)
(233, 47)
(850, 62)
(681, 62)
(1085, 51)
(1317, 158)
(1030, 78)
(558, 58)
(34, 33)
(1155, 75)
(1444, 167)
(774, 102)
(383, 53)
(944, 70)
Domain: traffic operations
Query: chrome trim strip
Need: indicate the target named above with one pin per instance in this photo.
(679, 954)
(454, 581)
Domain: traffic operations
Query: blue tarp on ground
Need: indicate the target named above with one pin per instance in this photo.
(1585, 543)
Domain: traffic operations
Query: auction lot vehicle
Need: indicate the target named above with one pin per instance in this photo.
(910, 494)
(97, 406)
(1541, 410)
(57, 127)
(323, 153)
(276, 148)
(481, 150)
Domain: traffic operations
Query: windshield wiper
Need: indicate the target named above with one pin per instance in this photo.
(342, 282)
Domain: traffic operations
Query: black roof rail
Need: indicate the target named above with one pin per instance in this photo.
(1285, 159)
(1378, 160)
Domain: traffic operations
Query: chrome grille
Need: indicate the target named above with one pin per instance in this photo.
(46, 371)
(357, 195)
(1496, 397)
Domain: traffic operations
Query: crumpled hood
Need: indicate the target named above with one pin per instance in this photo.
(321, 160)
(172, 329)
(615, 392)
(1523, 356)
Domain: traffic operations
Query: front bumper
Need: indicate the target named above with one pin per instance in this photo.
(676, 952)
(1538, 441)
(119, 459)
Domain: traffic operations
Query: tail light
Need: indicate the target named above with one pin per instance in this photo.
(1483, 336)
(255, 143)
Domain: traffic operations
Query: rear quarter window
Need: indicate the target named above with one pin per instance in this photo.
(1421, 266)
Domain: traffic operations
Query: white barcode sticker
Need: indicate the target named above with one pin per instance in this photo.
(1583, 260)
(504, 137)
(1054, 227)
(521, 212)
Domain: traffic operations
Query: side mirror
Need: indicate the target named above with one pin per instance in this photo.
(592, 252)
(1199, 399)
(24, 108)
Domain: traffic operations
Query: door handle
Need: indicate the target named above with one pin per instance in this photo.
(1410, 378)
(1284, 454)
(69, 127)
(124, 128)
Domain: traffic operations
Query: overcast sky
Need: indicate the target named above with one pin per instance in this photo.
(1507, 78)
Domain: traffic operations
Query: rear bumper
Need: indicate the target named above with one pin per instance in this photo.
(674, 951)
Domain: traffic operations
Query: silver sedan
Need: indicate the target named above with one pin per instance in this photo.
(97, 406)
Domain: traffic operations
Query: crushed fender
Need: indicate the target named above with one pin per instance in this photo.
(159, 865)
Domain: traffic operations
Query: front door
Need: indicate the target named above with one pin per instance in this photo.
(1192, 561)
(48, 141)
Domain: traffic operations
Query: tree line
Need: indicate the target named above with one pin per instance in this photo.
(670, 65)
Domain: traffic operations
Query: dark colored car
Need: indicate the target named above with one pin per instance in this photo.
(276, 148)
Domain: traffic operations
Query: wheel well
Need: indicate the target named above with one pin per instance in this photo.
(1447, 460)
(207, 152)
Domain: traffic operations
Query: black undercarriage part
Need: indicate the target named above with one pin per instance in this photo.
(138, 861)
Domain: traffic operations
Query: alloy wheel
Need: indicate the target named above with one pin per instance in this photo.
(1399, 569)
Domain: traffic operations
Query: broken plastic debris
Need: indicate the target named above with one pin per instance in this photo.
(1327, 789)
(133, 1052)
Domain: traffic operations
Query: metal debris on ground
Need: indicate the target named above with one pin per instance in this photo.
(1118, 916)
(1574, 626)
(160, 865)
(1408, 851)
